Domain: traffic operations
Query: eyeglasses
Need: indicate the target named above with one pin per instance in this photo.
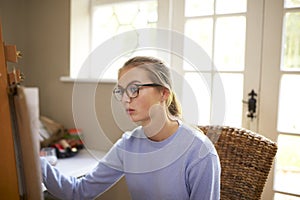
(131, 90)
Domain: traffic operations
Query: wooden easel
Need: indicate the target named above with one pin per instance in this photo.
(8, 171)
(19, 170)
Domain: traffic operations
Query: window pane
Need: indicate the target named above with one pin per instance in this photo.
(109, 20)
(291, 3)
(231, 6)
(196, 98)
(291, 50)
(199, 7)
(233, 90)
(289, 107)
(230, 43)
(111, 72)
(200, 31)
(287, 168)
(285, 197)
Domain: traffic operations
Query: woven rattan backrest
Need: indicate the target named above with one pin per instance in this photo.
(246, 159)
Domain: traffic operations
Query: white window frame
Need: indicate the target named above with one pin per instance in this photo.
(81, 33)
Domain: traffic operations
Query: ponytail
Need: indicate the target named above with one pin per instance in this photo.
(173, 104)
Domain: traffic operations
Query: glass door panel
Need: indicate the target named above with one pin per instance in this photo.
(291, 3)
(233, 90)
(199, 7)
(197, 106)
(201, 31)
(287, 171)
(287, 166)
(230, 43)
(289, 107)
(220, 30)
(231, 6)
(291, 50)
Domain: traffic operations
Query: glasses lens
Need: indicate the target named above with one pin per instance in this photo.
(132, 91)
(118, 92)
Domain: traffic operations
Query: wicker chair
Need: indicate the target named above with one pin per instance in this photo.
(246, 159)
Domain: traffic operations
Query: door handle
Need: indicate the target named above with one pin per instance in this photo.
(251, 104)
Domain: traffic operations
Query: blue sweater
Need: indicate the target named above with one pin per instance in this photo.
(183, 166)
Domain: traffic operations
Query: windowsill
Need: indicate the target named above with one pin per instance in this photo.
(68, 79)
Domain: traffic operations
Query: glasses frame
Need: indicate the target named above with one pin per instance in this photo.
(119, 98)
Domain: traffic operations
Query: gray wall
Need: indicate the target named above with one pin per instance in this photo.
(40, 29)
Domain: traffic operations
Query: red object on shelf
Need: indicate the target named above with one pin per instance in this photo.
(74, 138)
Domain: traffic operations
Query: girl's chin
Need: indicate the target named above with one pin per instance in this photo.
(138, 121)
(134, 119)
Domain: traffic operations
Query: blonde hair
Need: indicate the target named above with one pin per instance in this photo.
(158, 73)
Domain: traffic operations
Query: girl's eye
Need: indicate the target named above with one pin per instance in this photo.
(132, 89)
(117, 90)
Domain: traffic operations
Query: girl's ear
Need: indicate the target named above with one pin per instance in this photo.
(165, 93)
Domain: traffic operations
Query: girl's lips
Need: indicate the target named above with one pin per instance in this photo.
(129, 110)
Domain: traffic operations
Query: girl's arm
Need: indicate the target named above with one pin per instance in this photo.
(88, 187)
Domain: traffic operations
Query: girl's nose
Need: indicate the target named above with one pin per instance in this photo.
(125, 98)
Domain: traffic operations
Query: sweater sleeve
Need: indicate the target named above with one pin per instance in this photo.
(88, 187)
(204, 178)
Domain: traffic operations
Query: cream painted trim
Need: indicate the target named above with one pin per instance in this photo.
(85, 80)
(270, 73)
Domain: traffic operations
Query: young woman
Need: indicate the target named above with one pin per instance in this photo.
(162, 158)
